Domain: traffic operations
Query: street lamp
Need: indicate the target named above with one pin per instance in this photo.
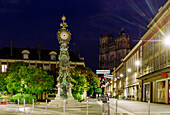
(167, 40)
(121, 75)
(129, 70)
(137, 63)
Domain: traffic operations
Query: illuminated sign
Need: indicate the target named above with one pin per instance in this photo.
(163, 75)
(102, 71)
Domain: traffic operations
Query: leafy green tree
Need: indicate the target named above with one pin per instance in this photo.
(83, 79)
(13, 68)
(2, 81)
(98, 91)
(78, 81)
(22, 78)
(92, 81)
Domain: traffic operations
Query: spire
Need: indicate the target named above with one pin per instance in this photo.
(122, 29)
(64, 24)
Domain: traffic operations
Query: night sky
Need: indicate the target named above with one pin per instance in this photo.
(31, 22)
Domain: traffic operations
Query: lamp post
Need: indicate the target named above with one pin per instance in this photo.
(22, 85)
(129, 70)
(122, 80)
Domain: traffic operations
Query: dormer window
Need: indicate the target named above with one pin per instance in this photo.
(25, 54)
(52, 55)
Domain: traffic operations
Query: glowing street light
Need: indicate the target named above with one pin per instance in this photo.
(121, 75)
(129, 70)
(167, 40)
(137, 63)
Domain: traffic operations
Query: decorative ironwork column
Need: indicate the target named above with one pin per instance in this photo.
(64, 79)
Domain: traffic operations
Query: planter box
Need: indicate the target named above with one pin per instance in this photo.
(3, 103)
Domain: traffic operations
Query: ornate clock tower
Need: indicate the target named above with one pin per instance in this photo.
(64, 79)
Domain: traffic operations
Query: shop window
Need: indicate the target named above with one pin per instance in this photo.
(161, 91)
(147, 92)
(4, 68)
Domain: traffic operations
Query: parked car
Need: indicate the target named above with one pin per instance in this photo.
(103, 99)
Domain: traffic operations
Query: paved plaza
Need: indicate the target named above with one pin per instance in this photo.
(125, 107)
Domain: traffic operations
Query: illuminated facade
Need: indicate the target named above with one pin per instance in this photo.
(155, 76)
(110, 54)
(149, 79)
(46, 59)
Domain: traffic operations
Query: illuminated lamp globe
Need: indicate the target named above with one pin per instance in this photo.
(129, 70)
(167, 40)
(137, 63)
(121, 75)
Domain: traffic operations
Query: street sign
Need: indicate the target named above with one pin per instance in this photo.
(102, 71)
(108, 76)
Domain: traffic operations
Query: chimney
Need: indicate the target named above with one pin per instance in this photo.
(11, 48)
(38, 47)
(28, 46)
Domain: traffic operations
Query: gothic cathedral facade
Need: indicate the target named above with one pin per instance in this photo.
(113, 50)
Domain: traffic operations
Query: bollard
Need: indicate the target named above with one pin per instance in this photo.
(64, 107)
(87, 107)
(103, 107)
(24, 104)
(46, 105)
(116, 107)
(148, 107)
(32, 104)
(18, 104)
(108, 108)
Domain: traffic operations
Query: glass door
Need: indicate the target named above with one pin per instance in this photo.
(169, 94)
(169, 91)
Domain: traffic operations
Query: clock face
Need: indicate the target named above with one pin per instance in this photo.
(64, 35)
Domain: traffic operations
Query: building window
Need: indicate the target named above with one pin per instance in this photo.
(4, 68)
(46, 67)
(25, 56)
(53, 57)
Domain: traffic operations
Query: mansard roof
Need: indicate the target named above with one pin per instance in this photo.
(5, 53)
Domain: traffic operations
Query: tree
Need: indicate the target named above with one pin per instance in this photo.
(83, 79)
(98, 91)
(22, 78)
(2, 82)
(3, 76)
(92, 81)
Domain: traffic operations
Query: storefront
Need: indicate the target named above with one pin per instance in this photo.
(169, 91)
(146, 91)
(132, 92)
(161, 91)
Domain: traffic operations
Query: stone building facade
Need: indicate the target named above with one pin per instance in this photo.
(113, 50)
(38, 57)
(149, 80)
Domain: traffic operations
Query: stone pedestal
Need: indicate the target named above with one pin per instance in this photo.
(59, 101)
